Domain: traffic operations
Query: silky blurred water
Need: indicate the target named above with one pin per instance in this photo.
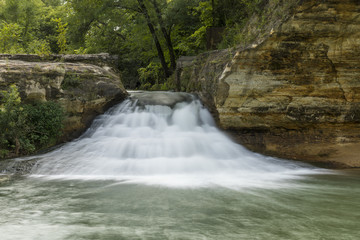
(150, 171)
(175, 145)
(316, 207)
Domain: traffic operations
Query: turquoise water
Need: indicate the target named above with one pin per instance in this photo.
(315, 207)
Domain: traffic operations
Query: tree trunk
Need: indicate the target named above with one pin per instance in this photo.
(213, 12)
(17, 146)
(144, 11)
(166, 36)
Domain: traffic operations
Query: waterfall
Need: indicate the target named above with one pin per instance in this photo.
(165, 139)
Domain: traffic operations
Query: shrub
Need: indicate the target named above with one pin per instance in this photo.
(39, 47)
(12, 120)
(26, 128)
(45, 121)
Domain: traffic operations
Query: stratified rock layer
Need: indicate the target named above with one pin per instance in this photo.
(83, 89)
(297, 94)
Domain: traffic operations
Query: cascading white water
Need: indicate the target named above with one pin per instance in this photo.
(176, 145)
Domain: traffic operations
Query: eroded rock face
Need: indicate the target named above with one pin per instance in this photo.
(297, 94)
(84, 90)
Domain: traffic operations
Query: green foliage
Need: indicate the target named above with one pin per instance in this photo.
(45, 122)
(12, 120)
(205, 11)
(80, 50)
(145, 86)
(53, 3)
(156, 87)
(26, 26)
(151, 74)
(11, 99)
(61, 38)
(39, 47)
(122, 27)
(27, 128)
(47, 29)
(10, 111)
(10, 38)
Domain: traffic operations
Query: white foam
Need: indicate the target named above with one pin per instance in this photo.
(153, 144)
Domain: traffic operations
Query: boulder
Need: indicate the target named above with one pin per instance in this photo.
(85, 85)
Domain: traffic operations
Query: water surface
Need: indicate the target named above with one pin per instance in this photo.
(158, 168)
(317, 207)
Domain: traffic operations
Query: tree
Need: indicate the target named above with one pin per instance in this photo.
(166, 34)
(141, 31)
(31, 22)
(61, 38)
(10, 38)
(151, 27)
(25, 13)
(145, 33)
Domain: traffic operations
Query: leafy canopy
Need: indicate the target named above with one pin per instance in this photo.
(145, 34)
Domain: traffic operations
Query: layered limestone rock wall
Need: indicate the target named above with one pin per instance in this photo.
(85, 85)
(296, 94)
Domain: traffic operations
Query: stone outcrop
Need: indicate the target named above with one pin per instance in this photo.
(296, 94)
(85, 85)
(102, 60)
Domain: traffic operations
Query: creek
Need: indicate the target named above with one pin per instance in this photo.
(157, 167)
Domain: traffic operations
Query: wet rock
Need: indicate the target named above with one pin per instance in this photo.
(161, 98)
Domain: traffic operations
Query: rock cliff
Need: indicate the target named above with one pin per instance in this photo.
(296, 93)
(85, 85)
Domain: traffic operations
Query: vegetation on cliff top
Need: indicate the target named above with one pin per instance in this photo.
(148, 35)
